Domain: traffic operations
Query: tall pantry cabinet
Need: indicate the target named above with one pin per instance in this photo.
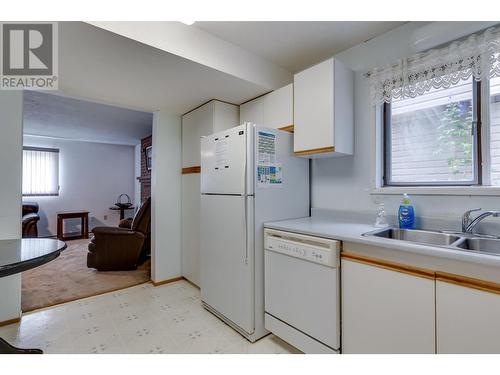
(211, 117)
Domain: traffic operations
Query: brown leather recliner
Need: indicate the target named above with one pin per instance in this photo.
(119, 249)
(30, 220)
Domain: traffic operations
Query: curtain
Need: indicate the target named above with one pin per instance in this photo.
(40, 171)
(477, 56)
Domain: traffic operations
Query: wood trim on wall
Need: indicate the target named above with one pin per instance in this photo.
(168, 281)
(10, 321)
(468, 282)
(392, 266)
(190, 170)
(288, 128)
(313, 151)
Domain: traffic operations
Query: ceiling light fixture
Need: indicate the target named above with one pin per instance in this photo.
(188, 22)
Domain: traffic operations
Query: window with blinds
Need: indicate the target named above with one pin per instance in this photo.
(40, 171)
(441, 115)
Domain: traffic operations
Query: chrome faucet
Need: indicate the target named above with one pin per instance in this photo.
(469, 224)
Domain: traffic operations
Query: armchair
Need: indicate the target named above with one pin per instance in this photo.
(116, 249)
(30, 220)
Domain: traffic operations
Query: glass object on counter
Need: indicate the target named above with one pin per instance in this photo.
(381, 220)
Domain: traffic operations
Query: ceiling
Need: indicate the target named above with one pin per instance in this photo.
(57, 116)
(299, 44)
(106, 67)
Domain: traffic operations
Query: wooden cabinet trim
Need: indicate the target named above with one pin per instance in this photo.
(288, 128)
(398, 267)
(320, 150)
(190, 170)
(468, 282)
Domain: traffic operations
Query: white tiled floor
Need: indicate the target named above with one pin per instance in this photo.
(141, 319)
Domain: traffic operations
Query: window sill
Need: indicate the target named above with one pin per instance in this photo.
(40, 195)
(438, 190)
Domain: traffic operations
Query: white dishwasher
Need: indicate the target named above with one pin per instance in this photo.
(302, 293)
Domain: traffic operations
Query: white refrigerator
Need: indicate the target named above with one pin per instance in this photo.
(249, 176)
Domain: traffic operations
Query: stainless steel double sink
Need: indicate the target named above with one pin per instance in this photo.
(453, 240)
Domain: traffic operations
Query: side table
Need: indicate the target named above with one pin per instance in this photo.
(82, 215)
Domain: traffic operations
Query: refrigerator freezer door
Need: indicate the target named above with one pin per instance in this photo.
(227, 257)
(223, 162)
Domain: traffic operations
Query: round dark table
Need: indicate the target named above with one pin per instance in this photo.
(21, 255)
(122, 210)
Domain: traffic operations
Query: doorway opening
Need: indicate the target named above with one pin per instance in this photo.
(86, 181)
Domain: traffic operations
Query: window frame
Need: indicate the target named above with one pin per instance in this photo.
(477, 148)
(44, 149)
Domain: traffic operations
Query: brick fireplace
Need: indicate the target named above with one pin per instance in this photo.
(145, 178)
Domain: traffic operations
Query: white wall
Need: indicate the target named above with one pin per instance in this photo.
(166, 197)
(11, 122)
(91, 176)
(345, 183)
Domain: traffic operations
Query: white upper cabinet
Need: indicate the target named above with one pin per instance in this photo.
(195, 124)
(273, 110)
(324, 110)
(225, 116)
(253, 111)
(467, 319)
(278, 107)
(211, 117)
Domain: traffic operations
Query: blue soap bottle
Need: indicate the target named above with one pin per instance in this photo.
(406, 213)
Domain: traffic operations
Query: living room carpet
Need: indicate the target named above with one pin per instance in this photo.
(67, 278)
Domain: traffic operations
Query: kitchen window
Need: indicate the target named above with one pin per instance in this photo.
(40, 171)
(440, 117)
(433, 139)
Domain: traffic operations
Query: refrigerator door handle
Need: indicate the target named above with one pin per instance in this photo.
(245, 196)
(245, 166)
(246, 229)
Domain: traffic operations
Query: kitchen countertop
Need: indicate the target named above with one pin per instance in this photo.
(351, 231)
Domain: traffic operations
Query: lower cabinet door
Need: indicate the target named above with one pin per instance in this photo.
(191, 227)
(468, 320)
(386, 311)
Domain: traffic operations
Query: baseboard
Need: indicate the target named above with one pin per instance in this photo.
(10, 321)
(168, 281)
(190, 282)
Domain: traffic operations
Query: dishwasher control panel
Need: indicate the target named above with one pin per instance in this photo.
(314, 249)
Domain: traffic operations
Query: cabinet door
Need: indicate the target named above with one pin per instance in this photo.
(278, 107)
(313, 107)
(467, 320)
(191, 227)
(253, 111)
(225, 116)
(195, 124)
(385, 311)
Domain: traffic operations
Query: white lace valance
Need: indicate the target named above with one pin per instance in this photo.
(477, 56)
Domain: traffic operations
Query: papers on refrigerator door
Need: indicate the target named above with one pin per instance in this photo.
(269, 175)
(221, 153)
(269, 171)
(266, 148)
